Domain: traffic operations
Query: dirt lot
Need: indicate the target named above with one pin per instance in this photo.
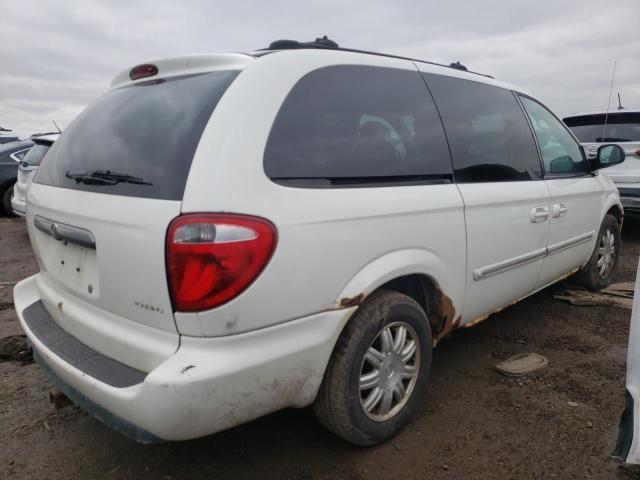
(474, 424)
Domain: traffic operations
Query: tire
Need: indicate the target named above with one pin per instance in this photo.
(592, 275)
(340, 404)
(6, 200)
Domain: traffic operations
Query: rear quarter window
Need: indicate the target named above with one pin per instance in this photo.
(353, 124)
(149, 131)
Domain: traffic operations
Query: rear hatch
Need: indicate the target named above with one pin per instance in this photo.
(621, 128)
(101, 202)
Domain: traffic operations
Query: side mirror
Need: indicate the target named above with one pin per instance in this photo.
(608, 155)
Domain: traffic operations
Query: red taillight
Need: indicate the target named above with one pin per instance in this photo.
(141, 71)
(638, 153)
(212, 258)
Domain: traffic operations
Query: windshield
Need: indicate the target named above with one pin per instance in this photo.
(149, 131)
(620, 127)
(35, 155)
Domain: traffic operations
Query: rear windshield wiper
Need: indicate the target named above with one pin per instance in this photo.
(105, 177)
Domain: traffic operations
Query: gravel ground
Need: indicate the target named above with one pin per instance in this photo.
(474, 424)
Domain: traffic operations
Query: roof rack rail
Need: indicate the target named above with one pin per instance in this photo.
(326, 43)
(323, 42)
(458, 66)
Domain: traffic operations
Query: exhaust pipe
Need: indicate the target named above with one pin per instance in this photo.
(58, 399)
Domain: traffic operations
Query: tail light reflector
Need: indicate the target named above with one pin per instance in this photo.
(212, 258)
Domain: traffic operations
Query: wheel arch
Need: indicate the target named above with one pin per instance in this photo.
(617, 211)
(419, 274)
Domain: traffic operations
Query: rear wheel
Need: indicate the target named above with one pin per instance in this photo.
(599, 271)
(378, 373)
(6, 200)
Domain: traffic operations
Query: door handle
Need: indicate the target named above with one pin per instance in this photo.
(559, 210)
(539, 214)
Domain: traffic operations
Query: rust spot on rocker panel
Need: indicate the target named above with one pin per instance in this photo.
(476, 321)
(352, 301)
(443, 309)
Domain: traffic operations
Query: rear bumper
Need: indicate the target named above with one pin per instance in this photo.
(19, 206)
(208, 384)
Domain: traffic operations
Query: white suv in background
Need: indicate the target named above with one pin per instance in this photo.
(621, 127)
(223, 236)
(27, 168)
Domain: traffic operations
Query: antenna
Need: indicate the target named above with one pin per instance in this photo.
(606, 115)
(54, 122)
(620, 107)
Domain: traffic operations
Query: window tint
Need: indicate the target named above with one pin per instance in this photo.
(149, 131)
(560, 152)
(358, 123)
(488, 133)
(620, 127)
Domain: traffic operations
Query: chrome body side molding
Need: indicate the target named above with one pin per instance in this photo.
(500, 267)
(494, 269)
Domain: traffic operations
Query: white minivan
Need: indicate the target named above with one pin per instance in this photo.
(223, 236)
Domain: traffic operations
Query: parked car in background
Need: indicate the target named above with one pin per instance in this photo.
(210, 254)
(8, 138)
(27, 168)
(621, 127)
(10, 155)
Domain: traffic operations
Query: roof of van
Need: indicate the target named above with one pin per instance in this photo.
(200, 63)
(325, 43)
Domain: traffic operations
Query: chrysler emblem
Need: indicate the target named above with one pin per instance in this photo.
(54, 231)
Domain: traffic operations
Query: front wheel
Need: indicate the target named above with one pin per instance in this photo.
(600, 268)
(378, 372)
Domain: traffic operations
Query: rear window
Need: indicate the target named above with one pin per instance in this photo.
(620, 127)
(146, 132)
(35, 155)
(349, 124)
